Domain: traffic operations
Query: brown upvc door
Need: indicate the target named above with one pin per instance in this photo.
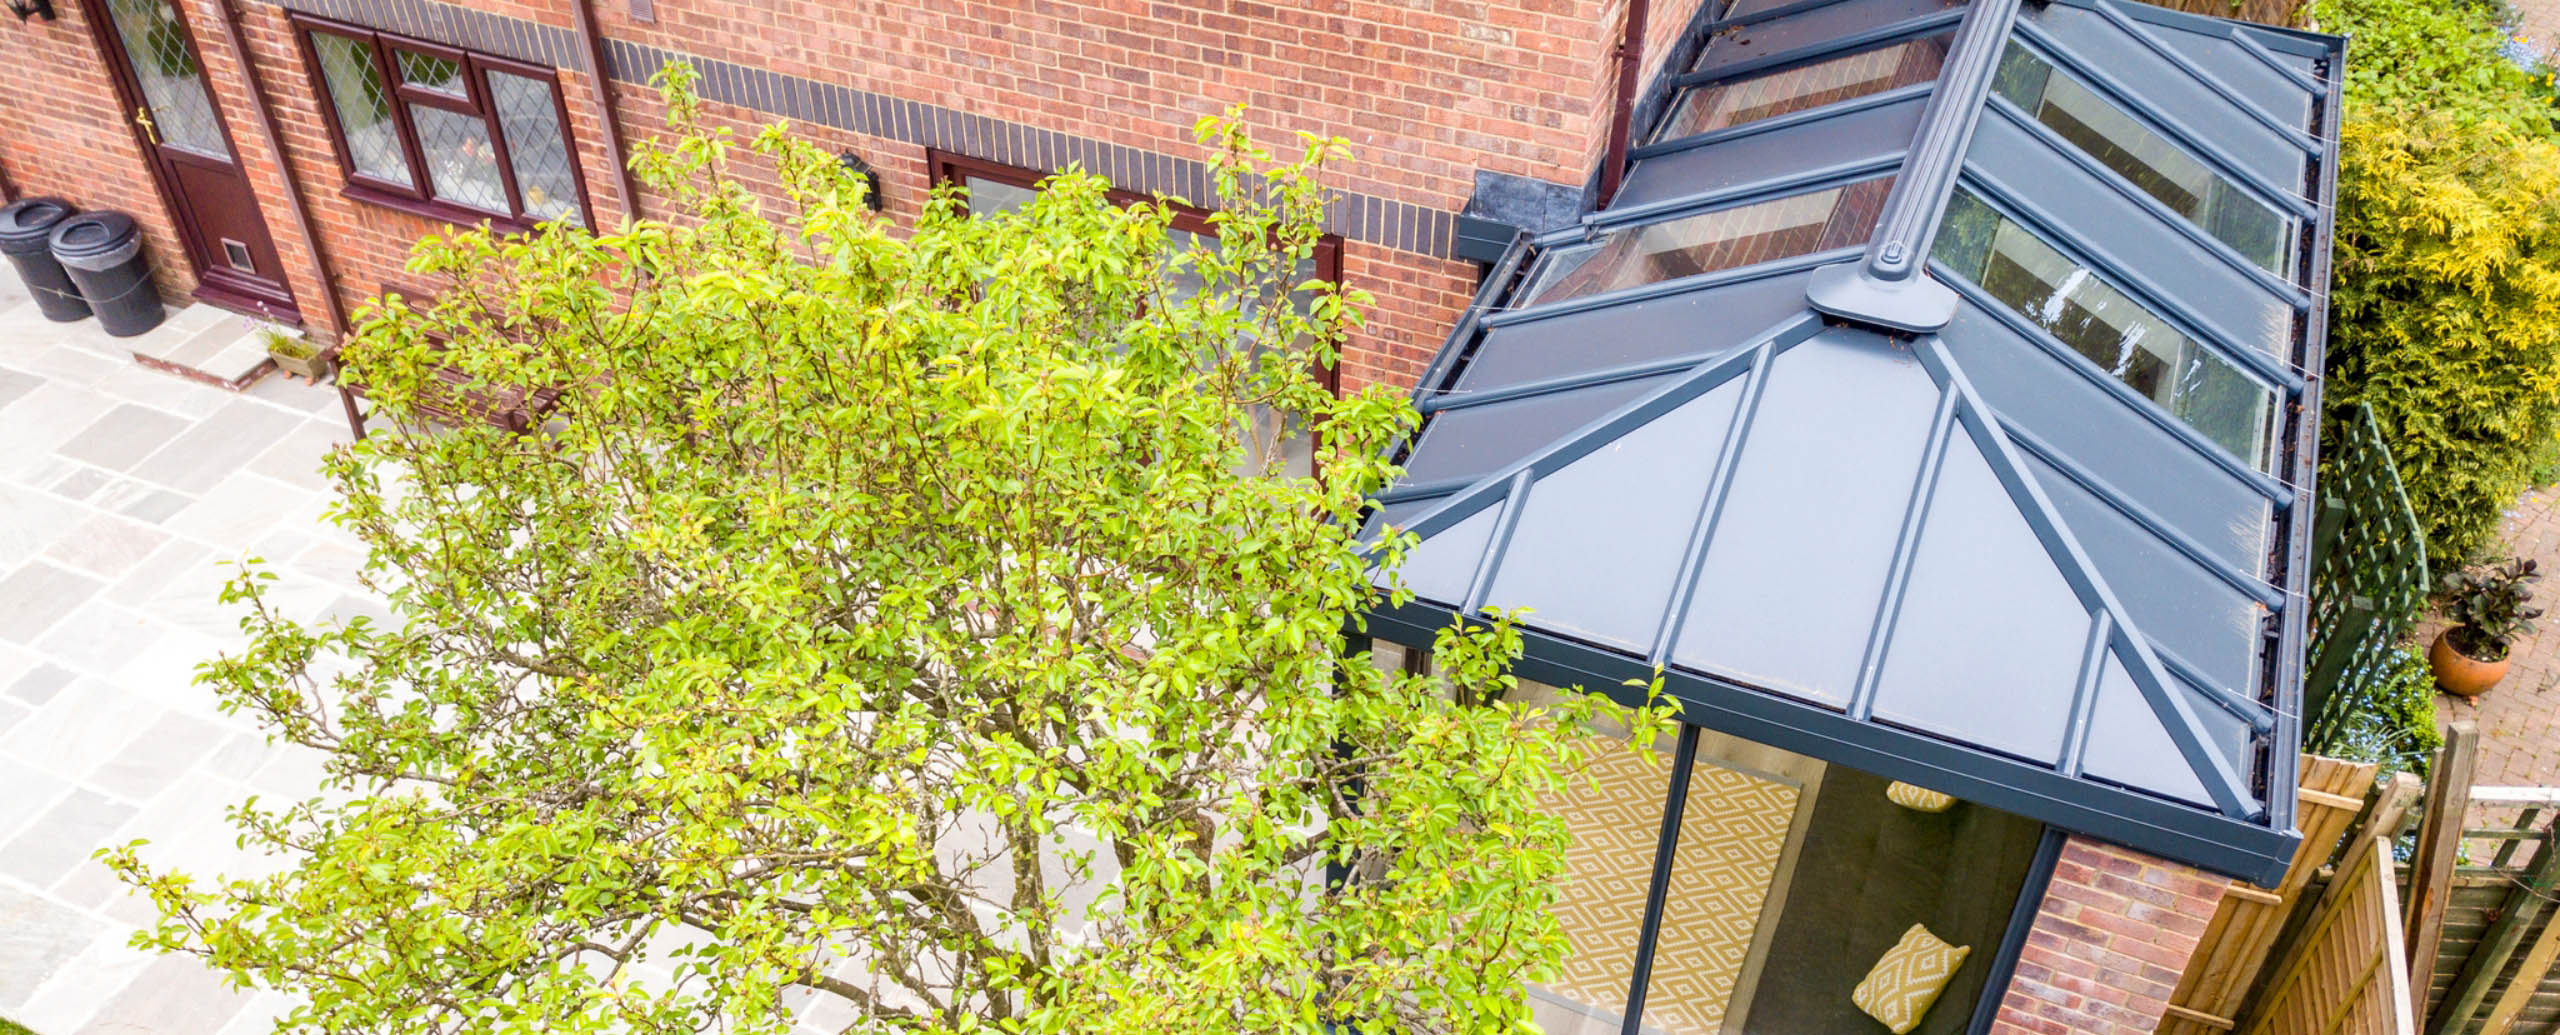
(171, 107)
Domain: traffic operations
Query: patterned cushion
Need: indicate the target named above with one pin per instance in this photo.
(1914, 796)
(1909, 977)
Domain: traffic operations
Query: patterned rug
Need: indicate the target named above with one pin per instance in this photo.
(1731, 834)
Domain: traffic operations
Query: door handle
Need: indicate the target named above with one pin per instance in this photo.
(142, 118)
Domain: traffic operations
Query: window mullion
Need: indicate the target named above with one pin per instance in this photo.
(410, 150)
(476, 86)
(1675, 802)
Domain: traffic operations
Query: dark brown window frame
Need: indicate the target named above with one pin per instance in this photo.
(947, 167)
(418, 197)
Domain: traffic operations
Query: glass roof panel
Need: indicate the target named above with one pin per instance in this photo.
(1704, 242)
(2168, 92)
(1774, 155)
(1599, 541)
(1830, 80)
(1987, 645)
(2160, 167)
(1707, 320)
(1790, 583)
(1812, 28)
(2082, 310)
(2129, 745)
(2135, 457)
(2222, 57)
(2127, 238)
(1470, 442)
(1442, 567)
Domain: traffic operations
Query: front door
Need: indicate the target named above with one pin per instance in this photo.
(173, 113)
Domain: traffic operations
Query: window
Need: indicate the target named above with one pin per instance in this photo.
(1724, 238)
(995, 187)
(1789, 879)
(2077, 306)
(444, 132)
(2143, 156)
(1829, 81)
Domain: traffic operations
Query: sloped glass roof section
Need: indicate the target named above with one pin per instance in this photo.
(1929, 400)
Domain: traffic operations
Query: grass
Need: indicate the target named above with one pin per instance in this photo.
(10, 1027)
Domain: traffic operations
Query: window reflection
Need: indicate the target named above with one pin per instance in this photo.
(1733, 103)
(2094, 318)
(2151, 161)
(1715, 240)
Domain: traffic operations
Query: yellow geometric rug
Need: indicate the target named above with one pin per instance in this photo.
(1732, 832)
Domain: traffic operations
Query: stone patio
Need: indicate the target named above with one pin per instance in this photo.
(123, 490)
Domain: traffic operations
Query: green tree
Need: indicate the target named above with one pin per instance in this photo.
(2445, 304)
(896, 627)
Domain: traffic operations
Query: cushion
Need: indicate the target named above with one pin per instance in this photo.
(1908, 979)
(1916, 797)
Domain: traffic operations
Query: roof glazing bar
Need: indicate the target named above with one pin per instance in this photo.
(1684, 586)
(1886, 287)
(2301, 139)
(1662, 288)
(2184, 226)
(1775, 186)
(1458, 400)
(2053, 233)
(1778, 122)
(2116, 91)
(1906, 545)
(2268, 58)
(2084, 693)
(2141, 516)
(1886, 33)
(2139, 404)
(1515, 499)
(1771, 14)
(2176, 715)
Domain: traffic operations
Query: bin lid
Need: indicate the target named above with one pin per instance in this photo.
(96, 240)
(27, 224)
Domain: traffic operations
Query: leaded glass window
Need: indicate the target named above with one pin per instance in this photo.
(155, 44)
(449, 133)
(2149, 160)
(2077, 306)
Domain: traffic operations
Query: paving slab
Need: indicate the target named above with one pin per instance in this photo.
(123, 492)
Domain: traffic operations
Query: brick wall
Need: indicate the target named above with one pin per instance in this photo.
(1428, 91)
(2114, 932)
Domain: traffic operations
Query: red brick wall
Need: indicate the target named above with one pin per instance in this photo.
(1428, 91)
(2114, 932)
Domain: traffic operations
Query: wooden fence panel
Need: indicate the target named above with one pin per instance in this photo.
(2234, 949)
(2347, 975)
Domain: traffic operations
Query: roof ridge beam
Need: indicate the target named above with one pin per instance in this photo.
(1887, 287)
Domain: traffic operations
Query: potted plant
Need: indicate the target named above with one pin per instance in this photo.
(297, 356)
(2487, 608)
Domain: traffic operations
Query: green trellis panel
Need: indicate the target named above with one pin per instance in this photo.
(2369, 576)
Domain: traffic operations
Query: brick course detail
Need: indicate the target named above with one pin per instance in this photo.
(2114, 932)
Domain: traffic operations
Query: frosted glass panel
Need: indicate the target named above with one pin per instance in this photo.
(1600, 540)
(1797, 566)
(1441, 567)
(1988, 645)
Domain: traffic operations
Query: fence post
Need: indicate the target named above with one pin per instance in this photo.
(2439, 834)
(2498, 944)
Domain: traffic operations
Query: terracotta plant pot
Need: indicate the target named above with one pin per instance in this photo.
(2461, 674)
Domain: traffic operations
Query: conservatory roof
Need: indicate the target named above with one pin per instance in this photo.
(1929, 399)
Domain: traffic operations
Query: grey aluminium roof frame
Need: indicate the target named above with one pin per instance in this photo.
(2213, 701)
